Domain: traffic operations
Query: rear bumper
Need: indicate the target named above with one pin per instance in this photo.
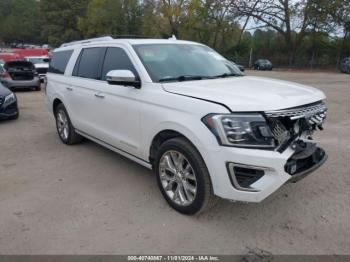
(9, 83)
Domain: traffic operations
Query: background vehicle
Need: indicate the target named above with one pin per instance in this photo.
(20, 74)
(41, 64)
(186, 112)
(263, 64)
(345, 65)
(241, 67)
(8, 104)
(7, 57)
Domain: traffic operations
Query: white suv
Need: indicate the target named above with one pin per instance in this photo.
(186, 112)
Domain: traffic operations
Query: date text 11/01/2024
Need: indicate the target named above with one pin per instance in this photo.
(173, 258)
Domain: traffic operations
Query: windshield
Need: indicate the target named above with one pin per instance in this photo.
(181, 62)
(38, 60)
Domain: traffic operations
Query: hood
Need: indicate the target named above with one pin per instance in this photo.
(4, 91)
(43, 65)
(245, 94)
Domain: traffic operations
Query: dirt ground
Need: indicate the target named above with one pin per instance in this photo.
(85, 199)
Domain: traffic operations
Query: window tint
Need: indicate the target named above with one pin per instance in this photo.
(89, 63)
(59, 61)
(116, 59)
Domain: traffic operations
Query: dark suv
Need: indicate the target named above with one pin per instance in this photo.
(345, 65)
(263, 64)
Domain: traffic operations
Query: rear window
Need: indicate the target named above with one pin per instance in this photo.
(19, 66)
(59, 61)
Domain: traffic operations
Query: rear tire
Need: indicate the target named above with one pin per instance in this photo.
(64, 126)
(38, 88)
(191, 177)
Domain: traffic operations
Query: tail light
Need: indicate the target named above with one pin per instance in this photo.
(5, 75)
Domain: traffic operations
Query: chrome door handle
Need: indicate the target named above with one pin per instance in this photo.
(98, 95)
(69, 89)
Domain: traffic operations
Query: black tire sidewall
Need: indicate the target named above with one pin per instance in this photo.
(194, 158)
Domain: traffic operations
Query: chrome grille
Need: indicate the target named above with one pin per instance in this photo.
(299, 112)
(2, 100)
(314, 114)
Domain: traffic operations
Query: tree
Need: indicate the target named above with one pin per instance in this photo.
(112, 17)
(288, 18)
(18, 21)
(60, 20)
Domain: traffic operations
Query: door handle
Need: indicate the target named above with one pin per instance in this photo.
(69, 89)
(99, 95)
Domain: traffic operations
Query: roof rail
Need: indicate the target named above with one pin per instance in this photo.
(131, 37)
(86, 41)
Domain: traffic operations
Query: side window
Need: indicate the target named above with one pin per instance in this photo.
(59, 61)
(116, 59)
(88, 65)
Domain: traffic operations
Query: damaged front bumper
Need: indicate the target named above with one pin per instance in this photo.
(307, 158)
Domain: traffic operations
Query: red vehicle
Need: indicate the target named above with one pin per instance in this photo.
(30, 52)
(7, 57)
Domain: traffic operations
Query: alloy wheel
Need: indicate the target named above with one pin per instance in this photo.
(62, 124)
(178, 178)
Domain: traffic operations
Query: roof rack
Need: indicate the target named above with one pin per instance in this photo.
(86, 41)
(109, 38)
(131, 37)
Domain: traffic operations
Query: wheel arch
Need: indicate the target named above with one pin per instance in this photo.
(55, 104)
(165, 135)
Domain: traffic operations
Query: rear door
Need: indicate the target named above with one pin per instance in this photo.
(82, 101)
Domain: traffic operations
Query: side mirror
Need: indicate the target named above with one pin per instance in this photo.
(123, 77)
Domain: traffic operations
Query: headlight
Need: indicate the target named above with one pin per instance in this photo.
(10, 98)
(240, 130)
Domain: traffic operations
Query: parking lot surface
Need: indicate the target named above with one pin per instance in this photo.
(85, 199)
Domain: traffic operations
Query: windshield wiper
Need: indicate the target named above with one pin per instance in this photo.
(184, 78)
(227, 75)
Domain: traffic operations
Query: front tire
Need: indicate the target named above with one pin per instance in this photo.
(64, 126)
(183, 177)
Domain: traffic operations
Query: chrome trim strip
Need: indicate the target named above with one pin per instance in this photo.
(300, 112)
(117, 150)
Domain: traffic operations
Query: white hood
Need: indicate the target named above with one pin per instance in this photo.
(248, 93)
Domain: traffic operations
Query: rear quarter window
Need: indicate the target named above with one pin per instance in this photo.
(59, 61)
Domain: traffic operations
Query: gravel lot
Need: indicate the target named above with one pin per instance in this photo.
(86, 199)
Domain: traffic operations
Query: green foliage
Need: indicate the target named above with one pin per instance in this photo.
(18, 21)
(111, 17)
(60, 20)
